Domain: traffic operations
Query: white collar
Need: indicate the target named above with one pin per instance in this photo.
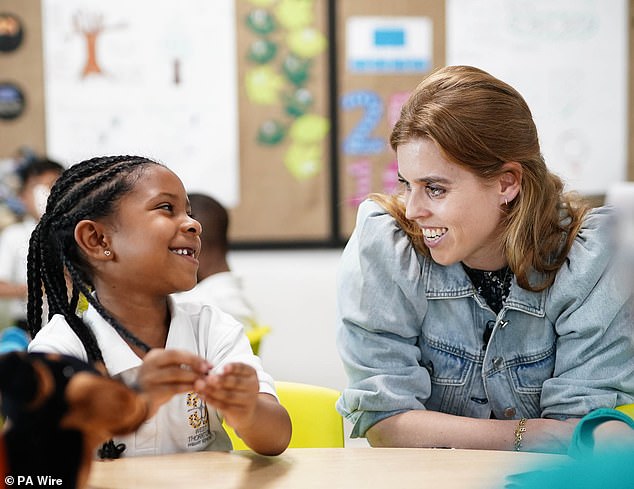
(117, 354)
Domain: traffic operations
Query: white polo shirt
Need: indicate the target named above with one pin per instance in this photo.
(224, 290)
(14, 249)
(185, 423)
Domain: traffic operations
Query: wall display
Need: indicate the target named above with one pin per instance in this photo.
(285, 161)
(580, 111)
(388, 45)
(283, 109)
(11, 32)
(384, 51)
(144, 78)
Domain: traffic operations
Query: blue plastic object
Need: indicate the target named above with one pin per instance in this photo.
(13, 339)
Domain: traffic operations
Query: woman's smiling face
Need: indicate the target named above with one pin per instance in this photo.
(458, 212)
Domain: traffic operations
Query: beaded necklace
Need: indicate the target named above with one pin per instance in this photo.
(494, 287)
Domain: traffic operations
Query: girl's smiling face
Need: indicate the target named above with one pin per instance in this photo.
(153, 238)
(458, 212)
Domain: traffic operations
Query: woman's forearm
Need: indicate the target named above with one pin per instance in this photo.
(432, 429)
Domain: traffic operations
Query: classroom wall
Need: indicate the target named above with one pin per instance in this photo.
(294, 293)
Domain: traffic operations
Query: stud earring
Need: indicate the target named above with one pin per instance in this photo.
(107, 252)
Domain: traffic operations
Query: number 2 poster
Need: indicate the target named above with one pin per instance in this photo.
(387, 50)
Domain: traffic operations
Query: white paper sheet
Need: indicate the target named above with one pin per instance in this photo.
(161, 82)
(568, 58)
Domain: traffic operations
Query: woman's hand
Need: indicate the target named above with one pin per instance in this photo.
(548, 435)
(612, 434)
(165, 373)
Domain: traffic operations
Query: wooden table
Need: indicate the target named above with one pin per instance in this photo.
(331, 468)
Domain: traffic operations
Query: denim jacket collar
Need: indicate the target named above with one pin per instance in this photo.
(451, 282)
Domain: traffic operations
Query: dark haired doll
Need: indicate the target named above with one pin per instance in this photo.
(59, 410)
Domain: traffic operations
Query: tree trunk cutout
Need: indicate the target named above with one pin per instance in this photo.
(90, 27)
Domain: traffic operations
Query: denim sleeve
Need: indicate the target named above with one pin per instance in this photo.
(381, 305)
(593, 316)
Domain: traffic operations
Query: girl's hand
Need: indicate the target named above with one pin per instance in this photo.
(165, 373)
(234, 391)
(258, 418)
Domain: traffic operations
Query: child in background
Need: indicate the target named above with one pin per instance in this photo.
(217, 284)
(118, 230)
(36, 179)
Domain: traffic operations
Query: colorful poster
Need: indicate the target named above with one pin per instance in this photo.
(145, 77)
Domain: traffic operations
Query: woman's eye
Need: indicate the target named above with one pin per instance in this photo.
(167, 207)
(404, 183)
(435, 191)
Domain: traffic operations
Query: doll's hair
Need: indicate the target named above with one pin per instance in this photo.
(56, 267)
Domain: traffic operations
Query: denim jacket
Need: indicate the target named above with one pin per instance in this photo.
(410, 333)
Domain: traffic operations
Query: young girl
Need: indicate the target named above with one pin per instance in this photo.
(119, 231)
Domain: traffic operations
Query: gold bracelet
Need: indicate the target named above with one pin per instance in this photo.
(521, 428)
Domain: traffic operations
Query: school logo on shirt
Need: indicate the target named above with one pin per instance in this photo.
(198, 419)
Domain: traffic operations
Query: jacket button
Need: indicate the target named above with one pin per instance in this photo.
(509, 412)
(498, 362)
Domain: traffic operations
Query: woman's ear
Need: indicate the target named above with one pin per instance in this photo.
(510, 181)
(92, 240)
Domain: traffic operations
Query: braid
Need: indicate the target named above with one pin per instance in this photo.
(34, 281)
(87, 190)
(84, 288)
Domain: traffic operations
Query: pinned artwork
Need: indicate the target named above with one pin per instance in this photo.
(281, 57)
(12, 101)
(389, 45)
(365, 146)
(118, 80)
(11, 32)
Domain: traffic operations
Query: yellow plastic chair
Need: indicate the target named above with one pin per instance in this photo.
(255, 335)
(316, 422)
(627, 409)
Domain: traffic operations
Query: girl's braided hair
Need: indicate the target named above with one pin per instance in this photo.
(88, 190)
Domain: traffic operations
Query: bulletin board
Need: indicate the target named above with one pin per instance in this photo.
(284, 123)
(377, 69)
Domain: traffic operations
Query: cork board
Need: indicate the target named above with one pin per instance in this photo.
(373, 87)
